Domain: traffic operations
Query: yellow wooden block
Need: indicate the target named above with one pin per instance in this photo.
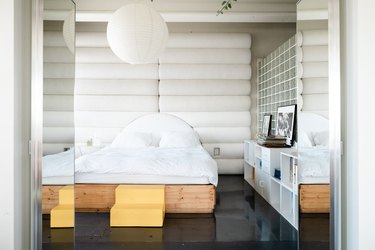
(140, 194)
(137, 215)
(62, 216)
(66, 195)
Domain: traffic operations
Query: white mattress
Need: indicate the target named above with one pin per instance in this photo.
(314, 180)
(313, 165)
(58, 180)
(136, 179)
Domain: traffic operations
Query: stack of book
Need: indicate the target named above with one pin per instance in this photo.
(275, 141)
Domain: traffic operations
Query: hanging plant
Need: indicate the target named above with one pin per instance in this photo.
(225, 5)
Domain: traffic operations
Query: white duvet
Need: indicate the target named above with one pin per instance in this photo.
(313, 161)
(179, 162)
(60, 164)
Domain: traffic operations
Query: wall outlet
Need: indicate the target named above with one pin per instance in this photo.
(216, 151)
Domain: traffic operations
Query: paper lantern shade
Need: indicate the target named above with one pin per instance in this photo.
(69, 31)
(137, 34)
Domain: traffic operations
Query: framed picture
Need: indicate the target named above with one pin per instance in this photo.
(266, 126)
(285, 122)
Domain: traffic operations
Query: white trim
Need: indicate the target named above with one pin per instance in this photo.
(318, 14)
(229, 17)
(334, 122)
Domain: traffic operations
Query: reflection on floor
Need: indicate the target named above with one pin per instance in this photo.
(242, 220)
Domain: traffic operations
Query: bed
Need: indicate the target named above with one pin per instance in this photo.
(313, 163)
(153, 149)
(58, 169)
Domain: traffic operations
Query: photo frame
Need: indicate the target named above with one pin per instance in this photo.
(285, 122)
(266, 125)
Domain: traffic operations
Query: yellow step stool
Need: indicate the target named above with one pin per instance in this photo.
(63, 214)
(138, 206)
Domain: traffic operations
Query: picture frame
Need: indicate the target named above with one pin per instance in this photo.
(266, 125)
(285, 122)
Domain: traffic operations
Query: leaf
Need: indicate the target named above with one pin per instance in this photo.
(229, 5)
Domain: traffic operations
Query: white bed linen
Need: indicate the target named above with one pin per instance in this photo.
(58, 169)
(124, 178)
(313, 164)
(152, 161)
(58, 180)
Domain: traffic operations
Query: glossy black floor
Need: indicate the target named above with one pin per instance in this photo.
(242, 220)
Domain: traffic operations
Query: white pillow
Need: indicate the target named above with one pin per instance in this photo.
(303, 139)
(321, 138)
(132, 140)
(175, 139)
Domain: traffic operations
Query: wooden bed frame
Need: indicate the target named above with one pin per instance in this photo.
(101, 197)
(314, 198)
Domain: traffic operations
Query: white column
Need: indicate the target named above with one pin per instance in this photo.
(358, 169)
(14, 123)
(7, 236)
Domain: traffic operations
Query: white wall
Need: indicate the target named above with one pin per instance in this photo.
(58, 90)
(312, 55)
(358, 171)
(265, 38)
(15, 124)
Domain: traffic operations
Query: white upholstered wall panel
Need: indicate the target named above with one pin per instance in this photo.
(58, 94)
(313, 54)
(315, 102)
(104, 134)
(58, 103)
(91, 39)
(315, 85)
(228, 150)
(207, 84)
(109, 94)
(205, 71)
(116, 103)
(58, 134)
(314, 37)
(108, 119)
(58, 119)
(223, 135)
(210, 40)
(313, 70)
(53, 39)
(204, 103)
(230, 166)
(58, 86)
(58, 70)
(116, 87)
(199, 56)
(215, 119)
(116, 71)
(204, 87)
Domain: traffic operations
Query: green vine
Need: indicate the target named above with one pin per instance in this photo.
(225, 5)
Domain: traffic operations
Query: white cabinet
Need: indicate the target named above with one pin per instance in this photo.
(289, 187)
(259, 171)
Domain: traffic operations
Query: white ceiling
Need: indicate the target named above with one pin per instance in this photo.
(244, 11)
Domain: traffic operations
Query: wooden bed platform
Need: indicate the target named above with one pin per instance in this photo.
(314, 198)
(101, 197)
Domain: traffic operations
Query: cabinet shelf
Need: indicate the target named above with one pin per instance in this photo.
(259, 169)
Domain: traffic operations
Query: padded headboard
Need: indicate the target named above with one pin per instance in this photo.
(157, 123)
(311, 122)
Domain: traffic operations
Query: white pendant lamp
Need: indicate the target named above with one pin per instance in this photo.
(69, 31)
(137, 34)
